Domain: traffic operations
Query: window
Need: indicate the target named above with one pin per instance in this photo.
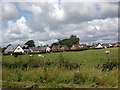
(18, 48)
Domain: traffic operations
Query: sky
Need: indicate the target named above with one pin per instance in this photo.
(46, 22)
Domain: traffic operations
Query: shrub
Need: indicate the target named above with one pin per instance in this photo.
(109, 66)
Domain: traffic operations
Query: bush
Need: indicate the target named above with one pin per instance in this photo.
(109, 66)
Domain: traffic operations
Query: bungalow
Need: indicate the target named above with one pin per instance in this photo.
(117, 44)
(75, 47)
(11, 49)
(78, 46)
(59, 48)
(83, 46)
(63, 48)
(107, 45)
(56, 48)
(40, 49)
(26, 48)
(99, 46)
(36, 49)
(48, 49)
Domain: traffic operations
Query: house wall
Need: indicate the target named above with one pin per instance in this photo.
(48, 49)
(19, 49)
(73, 47)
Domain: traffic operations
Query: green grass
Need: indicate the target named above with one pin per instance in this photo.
(59, 70)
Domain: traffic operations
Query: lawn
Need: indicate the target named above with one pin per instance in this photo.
(80, 69)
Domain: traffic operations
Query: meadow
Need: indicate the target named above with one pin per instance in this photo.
(74, 69)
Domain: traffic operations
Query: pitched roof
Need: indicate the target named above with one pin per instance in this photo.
(41, 48)
(56, 47)
(26, 50)
(107, 44)
(11, 48)
(63, 47)
(82, 45)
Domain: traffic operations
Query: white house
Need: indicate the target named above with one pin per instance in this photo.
(48, 49)
(40, 49)
(99, 46)
(13, 49)
(18, 49)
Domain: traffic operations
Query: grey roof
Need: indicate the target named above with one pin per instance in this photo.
(105, 44)
(41, 48)
(11, 48)
(26, 50)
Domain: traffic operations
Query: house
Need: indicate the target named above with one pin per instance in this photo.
(39, 49)
(26, 48)
(11, 49)
(75, 47)
(56, 48)
(83, 46)
(78, 46)
(59, 48)
(48, 49)
(63, 48)
(117, 44)
(107, 45)
(99, 46)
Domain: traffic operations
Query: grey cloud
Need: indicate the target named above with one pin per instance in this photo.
(45, 28)
(9, 11)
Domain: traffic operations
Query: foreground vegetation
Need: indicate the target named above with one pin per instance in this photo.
(90, 68)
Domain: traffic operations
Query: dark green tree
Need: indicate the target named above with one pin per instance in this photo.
(30, 43)
(68, 41)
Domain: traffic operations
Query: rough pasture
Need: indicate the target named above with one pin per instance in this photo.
(90, 68)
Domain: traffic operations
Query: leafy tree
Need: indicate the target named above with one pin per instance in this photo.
(68, 41)
(30, 43)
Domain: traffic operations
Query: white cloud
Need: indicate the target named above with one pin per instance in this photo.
(17, 31)
(58, 14)
(48, 22)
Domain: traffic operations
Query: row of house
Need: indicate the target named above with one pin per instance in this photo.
(10, 49)
(25, 49)
(105, 45)
(65, 48)
(55, 48)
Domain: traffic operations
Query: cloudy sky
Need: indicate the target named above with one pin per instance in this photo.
(46, 22)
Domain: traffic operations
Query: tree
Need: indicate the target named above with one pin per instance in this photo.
(68, 41)
(30, 43)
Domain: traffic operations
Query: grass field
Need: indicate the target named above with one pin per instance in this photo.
(80, 69)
